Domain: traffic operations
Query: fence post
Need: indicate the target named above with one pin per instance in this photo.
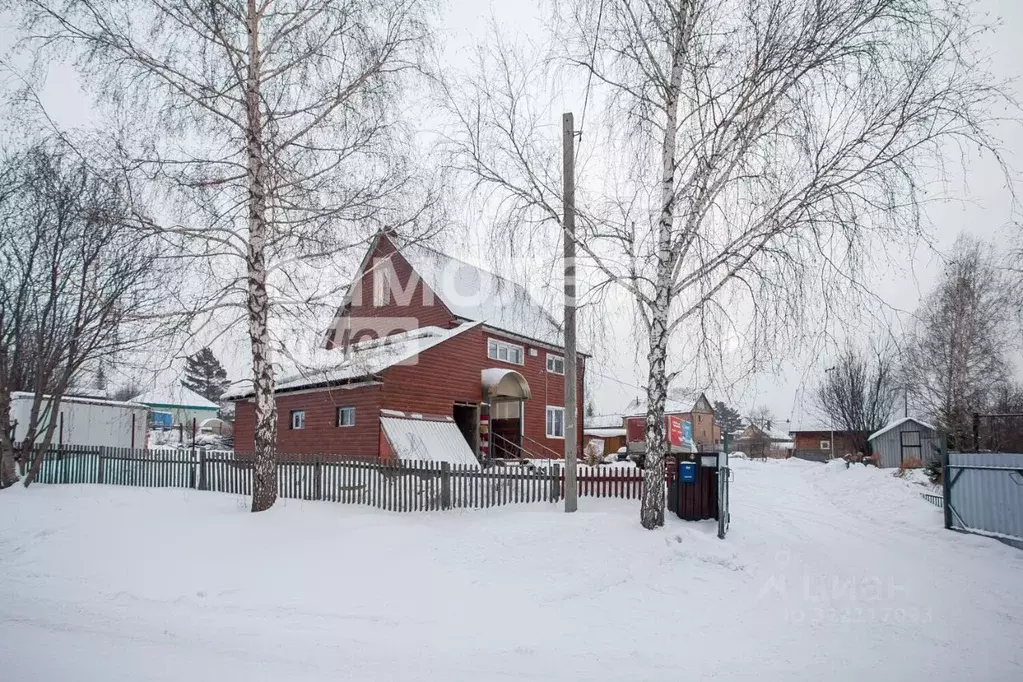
(445, 485)
(191, 471)
(203, 483)
(976, 432)
(946, 491)
(318, 480)
(102, 457)
(555, 482)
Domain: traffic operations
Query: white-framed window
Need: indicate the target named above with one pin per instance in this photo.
(346, 416)
(298, 419)
(381, 285)
(555, 422)
(555, 364)
(825, 445)
(504, 351)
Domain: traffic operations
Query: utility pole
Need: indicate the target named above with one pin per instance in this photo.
(831, 448)
(571, 399)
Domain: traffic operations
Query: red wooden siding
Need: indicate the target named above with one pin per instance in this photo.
(320, 435)
(362, 320)
(441, 376)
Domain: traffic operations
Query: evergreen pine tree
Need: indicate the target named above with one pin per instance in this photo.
(205, 375)
(729, 418)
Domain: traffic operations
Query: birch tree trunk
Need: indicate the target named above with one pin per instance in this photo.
(652, 508)
(8, 472)
(264, 474)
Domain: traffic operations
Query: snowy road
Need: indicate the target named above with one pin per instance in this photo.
(827, 574)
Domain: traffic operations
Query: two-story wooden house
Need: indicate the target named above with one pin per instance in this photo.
(427, 350)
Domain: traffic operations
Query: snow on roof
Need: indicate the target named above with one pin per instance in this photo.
(427, 440)
(604, 433)
(364, 358)
(177, 395)
(85, 400)
(900, 422)
(771, 434)
(603, 421)
(473, 293)
(637, 408)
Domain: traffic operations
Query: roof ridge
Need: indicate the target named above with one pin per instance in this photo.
(420, 245)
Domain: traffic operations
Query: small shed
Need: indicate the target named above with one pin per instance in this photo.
(608, 428)
(181, 404)
(906, 438)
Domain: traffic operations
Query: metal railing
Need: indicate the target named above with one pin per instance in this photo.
(517, 450)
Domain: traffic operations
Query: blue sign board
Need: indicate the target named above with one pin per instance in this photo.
(163, 420)
(687, 472)
(687, 432)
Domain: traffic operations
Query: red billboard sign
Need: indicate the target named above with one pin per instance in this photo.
(673, 424)
(674, 429)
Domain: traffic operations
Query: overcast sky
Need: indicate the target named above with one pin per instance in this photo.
(980, 204)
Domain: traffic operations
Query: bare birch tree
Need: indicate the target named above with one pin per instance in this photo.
(748, 155)
(957, 356)
(79, 287)
(860, 395)
(275, 130)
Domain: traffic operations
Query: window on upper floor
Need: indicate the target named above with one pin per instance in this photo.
(555, 364)
(504, 351)
(381, 285)
(298, 419)
(346, 416)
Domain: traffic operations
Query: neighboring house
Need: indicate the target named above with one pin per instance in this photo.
(699, 413)
(609, 428)
(423, 336)
(174, 405)
(815, 443)
(904, 439)
(757, 441)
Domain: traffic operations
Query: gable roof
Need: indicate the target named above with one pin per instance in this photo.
(703, 405)
(752, 430)
(468, 292)
(897, 423)
(475, 294)
(638, 407)
(362, 359)
(175, 395)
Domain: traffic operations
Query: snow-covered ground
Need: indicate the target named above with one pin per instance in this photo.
(827, 574)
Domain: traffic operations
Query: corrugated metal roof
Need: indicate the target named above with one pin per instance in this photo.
(427, 440)
(364, 358)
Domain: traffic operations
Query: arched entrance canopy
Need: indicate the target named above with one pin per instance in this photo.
(504, 383)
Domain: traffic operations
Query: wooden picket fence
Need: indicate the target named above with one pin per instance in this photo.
(394, 485)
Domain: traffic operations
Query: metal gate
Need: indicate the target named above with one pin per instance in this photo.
(983, 494)
(724, 478)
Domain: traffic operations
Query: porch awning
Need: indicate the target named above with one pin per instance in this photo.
(504, 383)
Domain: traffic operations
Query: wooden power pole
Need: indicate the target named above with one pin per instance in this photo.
(571, 399)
